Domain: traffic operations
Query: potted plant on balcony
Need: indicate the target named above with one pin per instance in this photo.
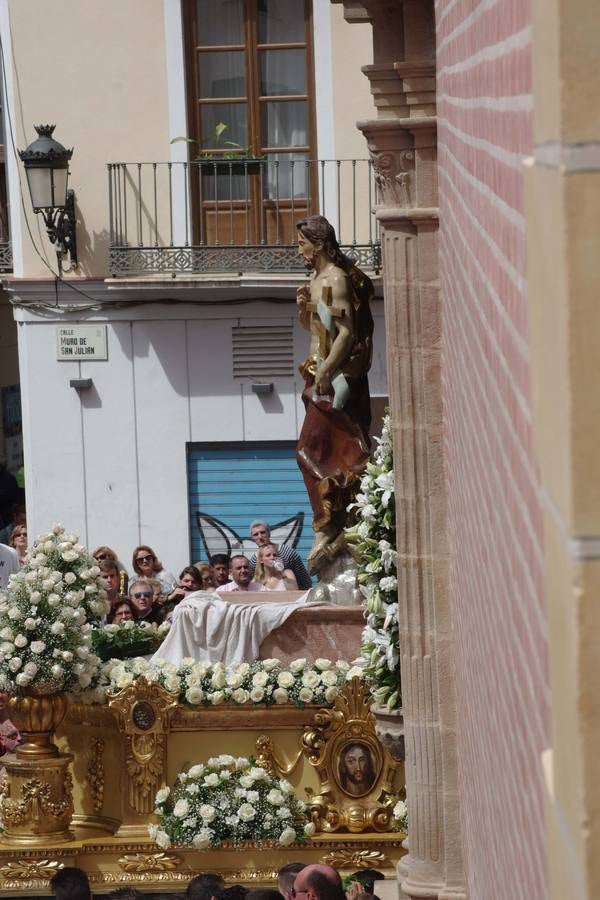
(46, 616)
(235, 161)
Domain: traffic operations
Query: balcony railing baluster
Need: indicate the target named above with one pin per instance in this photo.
(243, 212)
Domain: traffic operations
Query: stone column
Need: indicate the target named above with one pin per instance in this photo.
(402, 142)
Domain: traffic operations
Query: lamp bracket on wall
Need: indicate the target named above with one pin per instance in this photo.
(60, 227)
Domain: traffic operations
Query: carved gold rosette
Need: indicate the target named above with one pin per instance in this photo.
(358, 775)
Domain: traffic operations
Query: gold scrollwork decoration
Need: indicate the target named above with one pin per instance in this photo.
(266, 756)
(22, 869)
(36, 801)
(358, 775)
(149, 862)
(144, 709)
(354, 859)
(95, 774)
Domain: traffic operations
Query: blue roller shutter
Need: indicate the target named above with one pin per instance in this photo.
(234, 484)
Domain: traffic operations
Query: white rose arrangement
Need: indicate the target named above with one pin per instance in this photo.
(373, 543)
(126, 639)
(265, 682)
(229, 799)
(46, 617)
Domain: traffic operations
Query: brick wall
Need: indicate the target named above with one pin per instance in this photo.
(495, 525)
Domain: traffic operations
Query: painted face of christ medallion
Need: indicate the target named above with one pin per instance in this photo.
(356, 769)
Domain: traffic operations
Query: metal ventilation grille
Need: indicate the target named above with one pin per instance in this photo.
(262, 351)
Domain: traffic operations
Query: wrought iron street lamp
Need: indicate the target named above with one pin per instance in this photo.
(47, 168)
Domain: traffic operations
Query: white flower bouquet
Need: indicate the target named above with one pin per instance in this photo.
(229, 799)
(46, 616)
(127, 639)
(400, 816)
(265, 682)
(373, 543)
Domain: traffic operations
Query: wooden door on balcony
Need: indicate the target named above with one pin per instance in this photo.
(251, 87)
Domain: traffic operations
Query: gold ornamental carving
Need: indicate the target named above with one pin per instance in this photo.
(358, 776)
(144, 863)
(24, 869)
(95, 774)
(143, 710)
(266, 756)
(37, 802)
(355, 859)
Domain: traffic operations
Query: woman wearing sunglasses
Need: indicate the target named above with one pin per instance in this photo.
(147, 565)
(18, 540)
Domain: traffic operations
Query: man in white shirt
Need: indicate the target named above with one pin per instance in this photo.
(9, 564)
(241, 578)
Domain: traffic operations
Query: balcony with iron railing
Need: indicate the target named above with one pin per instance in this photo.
(235, 215)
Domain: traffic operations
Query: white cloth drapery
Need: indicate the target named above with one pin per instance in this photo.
(213, 630)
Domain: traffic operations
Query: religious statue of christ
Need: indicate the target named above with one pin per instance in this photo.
(334, 444)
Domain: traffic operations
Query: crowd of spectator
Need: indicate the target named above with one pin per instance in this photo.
(295, 880)
(150, 592)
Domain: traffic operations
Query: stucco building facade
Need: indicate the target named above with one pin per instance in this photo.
(484, 133)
